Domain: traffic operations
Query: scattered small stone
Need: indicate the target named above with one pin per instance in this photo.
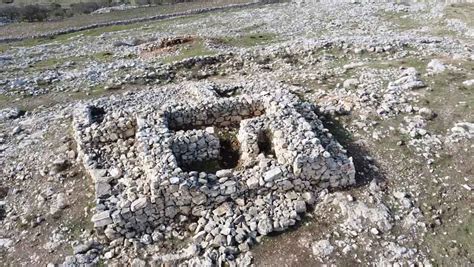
(272, 175)
(467, 187)
(59, 204)
(10, 114)
(5, 242)
(468, 83)
(350, 83)
(374, 231)
(82, 248)
(436, 66)
(322, 248)
(427, 113)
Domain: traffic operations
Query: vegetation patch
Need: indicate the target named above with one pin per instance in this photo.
(102, 56)
(401, 19)
(461, 11)
(249, 40)
(48, 63)
(193, 49)
(81, 20)
(5, 100)
(449, 100)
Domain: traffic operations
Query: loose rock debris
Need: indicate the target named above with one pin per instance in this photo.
(165, 45)
(184, 160)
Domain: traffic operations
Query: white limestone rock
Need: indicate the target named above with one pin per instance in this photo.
(272, 175)
(322, 248)
(101, 219)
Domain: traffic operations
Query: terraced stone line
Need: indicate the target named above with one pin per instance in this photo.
(130, 21)
(141, 161)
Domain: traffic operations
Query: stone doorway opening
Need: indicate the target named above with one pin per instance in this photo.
(265, 145)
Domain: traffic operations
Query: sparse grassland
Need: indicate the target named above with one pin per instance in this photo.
(401, 19)
(249, 40)
(437, 26)
(29, 103)
(66, 38)
(28, 29)
(194, 49)
(461, 11)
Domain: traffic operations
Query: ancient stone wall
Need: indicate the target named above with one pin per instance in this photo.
(195, 145)
(284, 156)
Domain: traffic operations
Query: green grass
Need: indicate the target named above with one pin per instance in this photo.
(446, 90)
(401, 20)
(75, 229)
(52, 63)
(249, 40)
(48, 63)
(32, 2)
(461, 11)
(108, 29)
(29, 103)
(22, 29)
(65, 38)
(252, 28)
(438, 27)
(26, 43)
(4, 100)
(418, 64)
(462, 233)
(195, 49)
(102, 56)
(96, 90)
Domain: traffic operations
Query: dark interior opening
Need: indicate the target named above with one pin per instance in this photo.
(97, 114)
(3, 213)
(230, 148)
(264, 142)
(227, 91)
(229, 154)
(207, 166)
(3, 194)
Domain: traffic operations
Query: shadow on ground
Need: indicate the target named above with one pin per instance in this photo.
(366, 167)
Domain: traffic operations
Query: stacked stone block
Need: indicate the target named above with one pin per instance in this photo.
(141, 188)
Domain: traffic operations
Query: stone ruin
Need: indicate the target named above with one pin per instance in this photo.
(217, 172)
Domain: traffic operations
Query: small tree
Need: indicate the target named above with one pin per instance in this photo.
(86, 7)
(34, 13)
(10, 12)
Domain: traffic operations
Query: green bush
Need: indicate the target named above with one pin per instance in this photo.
(32, 13)
(10, 12)
(89, 7)
(142, 2)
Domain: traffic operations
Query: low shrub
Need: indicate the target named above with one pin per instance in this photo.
(10, 12)
(89, 7)
(32, 13)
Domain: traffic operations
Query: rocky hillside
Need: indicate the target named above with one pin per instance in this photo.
(292, 134)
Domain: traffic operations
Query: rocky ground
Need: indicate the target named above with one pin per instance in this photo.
(392, 82)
